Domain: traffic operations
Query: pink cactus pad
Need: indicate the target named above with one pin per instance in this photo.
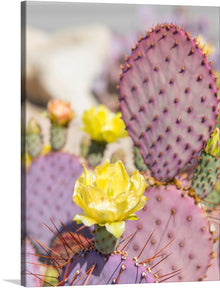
(168, 99)
(169, 214)
(50, 183)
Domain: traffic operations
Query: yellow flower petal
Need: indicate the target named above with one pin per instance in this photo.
(112, 178)
(95, 203)
(87, 177)
(103, 125)
(80, 218)
(132, 217)
(138, 181)
(116, 228)
(107, 195)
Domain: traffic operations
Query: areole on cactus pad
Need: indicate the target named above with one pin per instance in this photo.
(168, 99)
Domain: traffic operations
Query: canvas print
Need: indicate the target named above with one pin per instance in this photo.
(120, 144)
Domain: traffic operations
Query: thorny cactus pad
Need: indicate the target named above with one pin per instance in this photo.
(105, 242)
(171, 217)
(67, 243)
(213, 198)
(168, 99)
(49, 186)
(58, 135)
(93, 268)
(206, 174)
(34, 138)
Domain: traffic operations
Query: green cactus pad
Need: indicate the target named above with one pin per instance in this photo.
(34, 144)
(95, 153)
(213, 199)
(105, 242)
(138, 160)
(57, 137)
(206, 175)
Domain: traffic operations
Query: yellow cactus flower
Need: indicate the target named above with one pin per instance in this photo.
(103, 125)
(60, 112)
(108, 196)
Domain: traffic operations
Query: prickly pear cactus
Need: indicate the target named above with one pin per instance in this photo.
(213, 272)
(67, 244)
(58, 135)
(173, 221)
(206, 175)
(34, 138)
(105, 242)
(213, 199)
(50, 182)
(168, 99)
(94, 268)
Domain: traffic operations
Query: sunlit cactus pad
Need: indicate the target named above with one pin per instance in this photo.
(168, 99)
(50, 183)
(171, 219)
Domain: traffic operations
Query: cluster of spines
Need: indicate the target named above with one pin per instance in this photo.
(143, 268)
(157, 29)
(60, 263)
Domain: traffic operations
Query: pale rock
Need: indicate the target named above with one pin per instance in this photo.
(66, 67)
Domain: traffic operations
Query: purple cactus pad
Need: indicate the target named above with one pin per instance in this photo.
(171, 216)
(94, 268)
(50, 183)
(168, 99)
